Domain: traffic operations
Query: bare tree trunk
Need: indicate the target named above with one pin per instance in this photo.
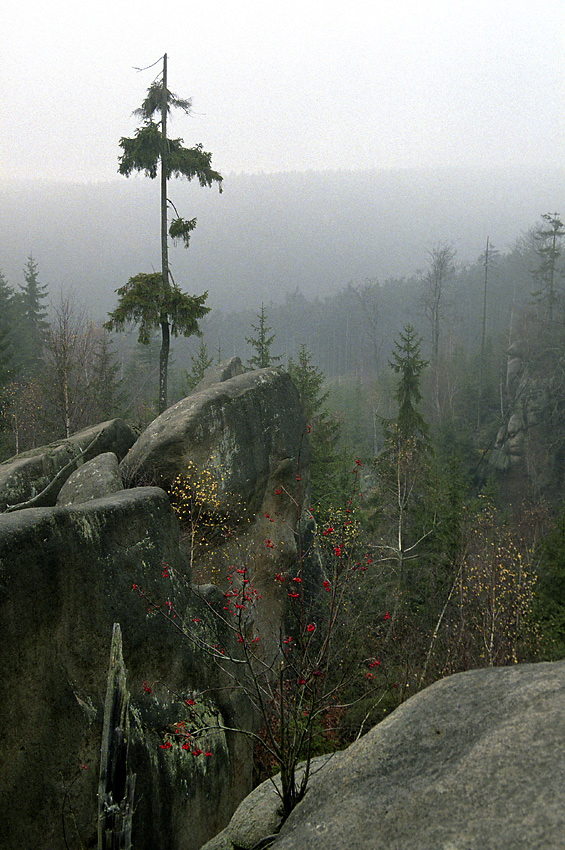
(164, 356)
(116, 786)
(164, 365)
(483, 337)
(66, 408)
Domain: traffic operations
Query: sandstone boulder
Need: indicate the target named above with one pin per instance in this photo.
(475, 761)
(243, 431)
(98, 477)
(26, 475)
(528, 448)
(66, 576)
(219, 373)
(236, 457)
(259, 817)
(69, 573)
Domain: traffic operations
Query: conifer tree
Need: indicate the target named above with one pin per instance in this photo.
(324, 430)
(154, 300)
(33, 318)
(200, 364)
(402, 467)
(261, 344)
(409, 365)
(150, 304)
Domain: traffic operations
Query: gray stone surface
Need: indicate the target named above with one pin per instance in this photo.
(94, 479)
(259, 815)
(27, 474)
(475, 761)
(240, 446)
(219, 373)
(66, 577)
(242, 430)
(528, 447)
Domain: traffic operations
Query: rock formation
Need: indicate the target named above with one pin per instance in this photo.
(475, 761)
(240, 453)
(24, 477)
(219, 373)
(529, 448)
(67, 575)
(94, 479)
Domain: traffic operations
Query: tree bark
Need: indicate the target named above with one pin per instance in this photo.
(164, 365)
(164, 356)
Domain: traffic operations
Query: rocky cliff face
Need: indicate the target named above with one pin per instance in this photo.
(66, 576)
(529, 448)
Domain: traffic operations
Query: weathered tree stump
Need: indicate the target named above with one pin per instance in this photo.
(116, 786)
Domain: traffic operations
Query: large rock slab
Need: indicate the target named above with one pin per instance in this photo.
(94, 479)
(219, 373)
(259, 817)
(240, 448)
(66, 576)
(240, 430)
(26, 475)
(475, 761)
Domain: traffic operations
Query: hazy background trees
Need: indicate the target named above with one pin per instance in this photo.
(349, 338)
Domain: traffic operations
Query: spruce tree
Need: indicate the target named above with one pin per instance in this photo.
(262, 344)
(408, 363)
(33, 323)
(324, 429)
(149, 303)
(200, 364)
(402, 467)
(155, 299)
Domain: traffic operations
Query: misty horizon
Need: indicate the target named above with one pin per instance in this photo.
(267, 235)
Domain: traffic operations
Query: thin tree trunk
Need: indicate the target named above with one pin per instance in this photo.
(164, 242)
(164, 365)
(552, 277)
(164, 357)
(483, 337)
(66, 405)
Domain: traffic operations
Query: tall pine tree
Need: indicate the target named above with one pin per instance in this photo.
(154, 299)
(402, 467)
(407, 362)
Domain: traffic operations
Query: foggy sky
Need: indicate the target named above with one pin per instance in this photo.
(291, 86)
